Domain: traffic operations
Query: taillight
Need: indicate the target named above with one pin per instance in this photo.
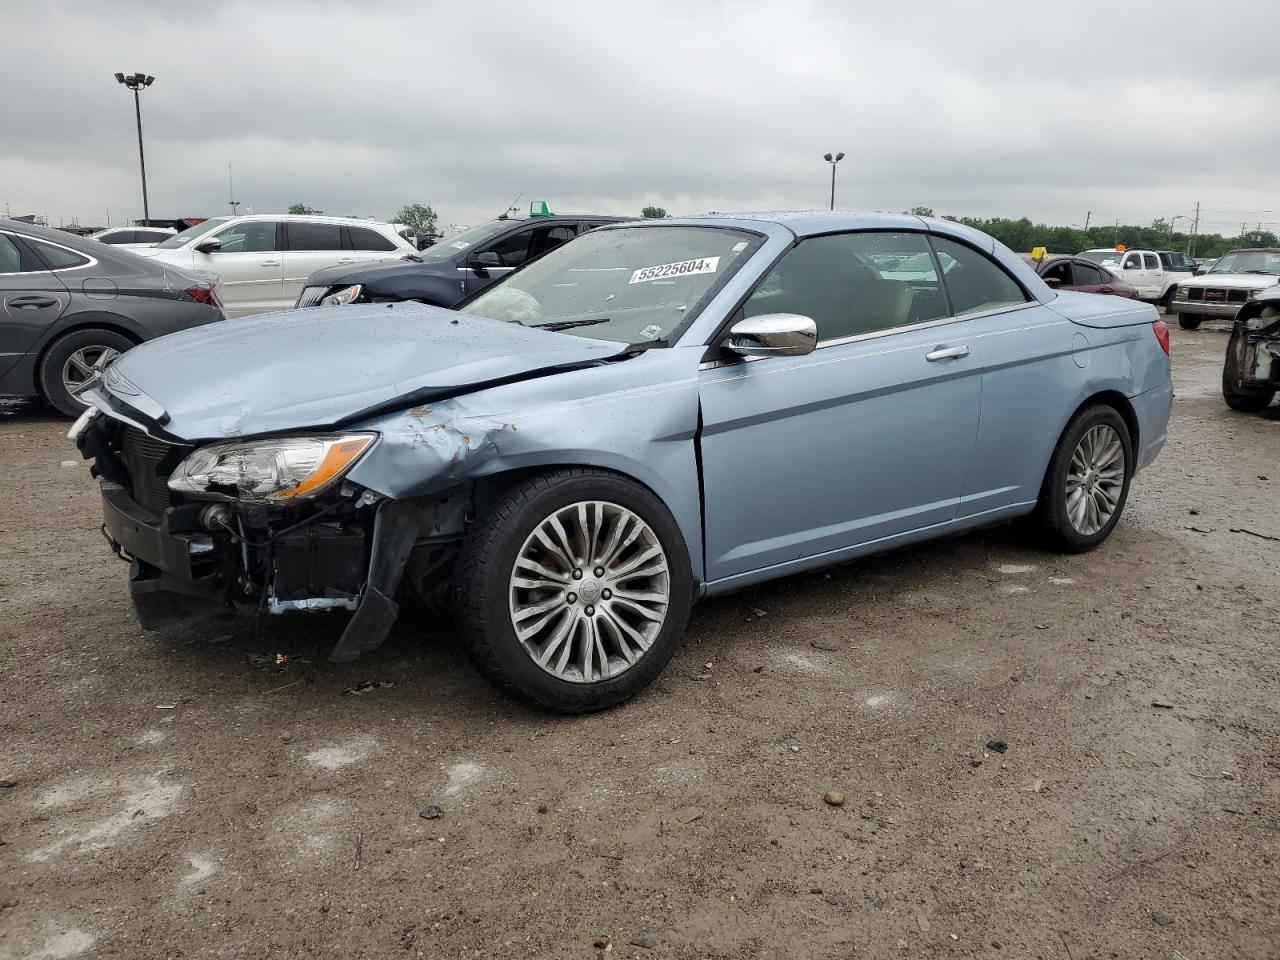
(1162, 335)
(203, 293)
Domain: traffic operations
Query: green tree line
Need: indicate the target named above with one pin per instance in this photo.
(1023, 236)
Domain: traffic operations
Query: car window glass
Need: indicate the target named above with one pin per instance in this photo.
(1151, 261)
(254, 236)
(1060, 271)
(513, 250)
(58, 258)
(1087, 275)
(363, 238)
(10, 256)
(974, 282)
(314, 236)
(548, 238)
(120, 236)
(149, 236)
(854, 283)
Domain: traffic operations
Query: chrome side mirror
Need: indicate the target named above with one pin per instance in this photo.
(773, 335)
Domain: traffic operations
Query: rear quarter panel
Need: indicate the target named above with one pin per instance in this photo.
(1040, 367)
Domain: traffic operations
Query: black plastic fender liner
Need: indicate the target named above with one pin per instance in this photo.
(395, 530)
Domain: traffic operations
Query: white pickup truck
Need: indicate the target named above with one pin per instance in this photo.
(1155, 273)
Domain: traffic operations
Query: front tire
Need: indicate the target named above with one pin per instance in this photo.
(73, 359)
(1188, 322)
(1240, 398)
(1087, 483)
(1168, 300)
(573, 591)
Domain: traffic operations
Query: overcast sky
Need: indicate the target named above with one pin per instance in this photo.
(1129, 110)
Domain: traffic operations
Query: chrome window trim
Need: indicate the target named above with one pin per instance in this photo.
(93, 261)
(924, 325)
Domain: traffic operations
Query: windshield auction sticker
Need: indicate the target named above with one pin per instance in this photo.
(684, 268)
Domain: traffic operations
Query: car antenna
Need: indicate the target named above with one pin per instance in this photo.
(503, 214)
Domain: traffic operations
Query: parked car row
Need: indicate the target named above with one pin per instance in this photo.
(1155, 274)
(264, 259)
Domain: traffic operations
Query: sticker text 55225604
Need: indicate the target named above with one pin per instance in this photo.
(667, 271)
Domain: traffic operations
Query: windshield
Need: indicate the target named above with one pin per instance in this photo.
(1109, 257)
(1249, 261)
(630, 285)
(189, 234)
(450, 247)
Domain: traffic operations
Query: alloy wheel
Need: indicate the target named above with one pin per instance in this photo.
(85, 364)
(1095, 479)
(589, 591)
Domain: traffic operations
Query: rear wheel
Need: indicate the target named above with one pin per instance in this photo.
(75, 359)
(1188, 322)
(1087, 483)
(573, 591)
(1244, 399)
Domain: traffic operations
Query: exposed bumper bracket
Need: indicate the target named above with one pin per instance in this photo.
(395, 530)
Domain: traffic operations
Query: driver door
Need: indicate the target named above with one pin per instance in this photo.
(251, 265)
(867, 437)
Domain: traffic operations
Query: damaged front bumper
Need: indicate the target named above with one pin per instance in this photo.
(350, 550)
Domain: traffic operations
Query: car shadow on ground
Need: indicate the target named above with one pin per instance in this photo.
(423, 659)
(33, 411)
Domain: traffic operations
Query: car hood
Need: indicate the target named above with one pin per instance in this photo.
(374, 271)
(325, 366)
(1235, 281)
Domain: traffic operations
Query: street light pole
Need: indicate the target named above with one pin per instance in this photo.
(138, 82)
(833, 161)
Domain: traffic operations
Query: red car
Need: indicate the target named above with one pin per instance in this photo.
(1064, 272)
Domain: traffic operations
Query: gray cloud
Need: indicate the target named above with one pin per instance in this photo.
(994, 108)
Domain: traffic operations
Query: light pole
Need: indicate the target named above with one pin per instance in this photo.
(138, 82)
(833, 161)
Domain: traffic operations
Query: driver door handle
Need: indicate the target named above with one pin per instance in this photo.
(268, 263)
(946, 353)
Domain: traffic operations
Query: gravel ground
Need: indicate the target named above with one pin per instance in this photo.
(183, 795)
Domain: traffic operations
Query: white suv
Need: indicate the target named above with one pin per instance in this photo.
(264, 259)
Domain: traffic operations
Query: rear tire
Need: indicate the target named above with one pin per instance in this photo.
(74, 355)
(1087, 483)
(1187, 322)
(562, 597)
(1243, 399)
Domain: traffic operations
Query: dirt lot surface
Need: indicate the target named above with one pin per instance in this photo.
(183, 795)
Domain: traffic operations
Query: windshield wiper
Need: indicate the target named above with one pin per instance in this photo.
(555, 325)
(1265, 273)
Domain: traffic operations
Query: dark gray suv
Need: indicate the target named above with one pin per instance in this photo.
(70, 305)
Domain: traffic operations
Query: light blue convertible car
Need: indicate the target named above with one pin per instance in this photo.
(652, 413)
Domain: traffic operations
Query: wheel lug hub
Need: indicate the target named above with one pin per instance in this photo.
(577, 574)
(591, 611)
(599, 571)
(607, 594)
(571, 598)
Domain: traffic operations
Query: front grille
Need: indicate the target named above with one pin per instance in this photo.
(1217, 295)
(310, 296)
(143, 458)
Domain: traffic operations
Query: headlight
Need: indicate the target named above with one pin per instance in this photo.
(282, 469)
(340, 298)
